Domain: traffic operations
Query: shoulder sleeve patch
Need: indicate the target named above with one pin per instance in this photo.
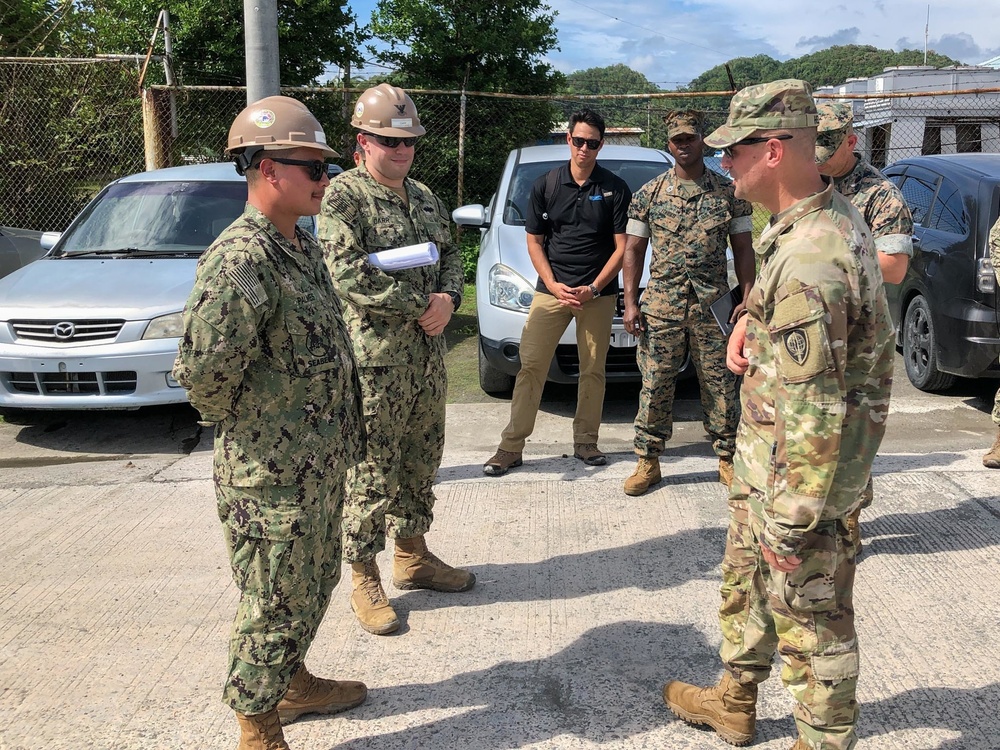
(245, 279)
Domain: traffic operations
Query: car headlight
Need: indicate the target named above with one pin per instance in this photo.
(165, 327)
(509, 289)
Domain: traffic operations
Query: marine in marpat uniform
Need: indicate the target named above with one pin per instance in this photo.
(690, 215)
(396, 320)
(816, 350)
(267, 362)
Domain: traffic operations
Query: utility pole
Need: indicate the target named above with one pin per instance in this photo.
(260, 19)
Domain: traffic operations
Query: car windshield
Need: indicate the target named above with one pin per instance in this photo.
(156, 217)
(635, 173)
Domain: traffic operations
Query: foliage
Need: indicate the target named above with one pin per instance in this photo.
(208, 37)
(646, 114)
(475, 45)
(37, 27)
(468, 244)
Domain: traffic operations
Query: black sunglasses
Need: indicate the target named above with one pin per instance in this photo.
(390, 142)
(728, 150)
(592, 143)
(316, 168)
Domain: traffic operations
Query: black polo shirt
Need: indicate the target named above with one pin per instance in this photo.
(579, 223)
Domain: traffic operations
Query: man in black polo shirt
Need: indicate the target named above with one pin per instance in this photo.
(576, 239)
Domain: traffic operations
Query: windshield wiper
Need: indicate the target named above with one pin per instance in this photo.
(134, 252)
(105, 251)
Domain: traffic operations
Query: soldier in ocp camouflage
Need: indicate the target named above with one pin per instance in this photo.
(690, 214)
(369, 209)
(819, 352)
(266, 360)
(992, 458)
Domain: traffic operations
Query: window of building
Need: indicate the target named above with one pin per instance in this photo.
(969, 138)
(880, 145)
(932, 140)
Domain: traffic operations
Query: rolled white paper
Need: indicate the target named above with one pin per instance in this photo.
(411, 256)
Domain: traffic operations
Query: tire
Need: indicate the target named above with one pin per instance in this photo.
(491, 380)
(920, 349)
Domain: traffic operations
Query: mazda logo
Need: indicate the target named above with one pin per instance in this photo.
(64, 331)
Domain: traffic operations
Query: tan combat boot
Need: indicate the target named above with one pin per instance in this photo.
(992, 458)
(729, 708)
(261, 732)
(308, 694)
(646, 474)
(368, 600)
(416, 567)
(726, 471)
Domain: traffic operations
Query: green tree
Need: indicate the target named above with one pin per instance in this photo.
(37, 28)
(208, 37)
(475, 45)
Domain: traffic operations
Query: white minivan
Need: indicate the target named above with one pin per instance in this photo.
(505, 278)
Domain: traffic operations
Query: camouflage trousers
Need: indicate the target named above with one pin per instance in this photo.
(671, 331)
(996, 408)
(807, 616)
(284, 549)
(391, 490)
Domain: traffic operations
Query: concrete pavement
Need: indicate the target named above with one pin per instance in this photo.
(116, 594)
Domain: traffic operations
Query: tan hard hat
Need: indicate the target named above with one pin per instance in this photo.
(387, 110)
(275, 122)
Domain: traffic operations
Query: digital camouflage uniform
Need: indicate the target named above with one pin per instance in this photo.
(266, 360)
(815, 400)
(881, 205)
(402, 369)
(994, 242)
(689, 223)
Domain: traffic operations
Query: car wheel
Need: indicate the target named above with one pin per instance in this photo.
(920, 349)
(491, 380)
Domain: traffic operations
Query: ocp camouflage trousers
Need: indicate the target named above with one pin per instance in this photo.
(284, 550)
(996, 408)
(807, 616)
(391, 491)
(670, 332)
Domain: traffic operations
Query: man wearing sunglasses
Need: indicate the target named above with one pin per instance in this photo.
(690, 214)
(815, 346)
(267, 361)
(576, 238)
(396, 320)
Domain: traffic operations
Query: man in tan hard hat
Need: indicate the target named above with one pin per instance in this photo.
(266, 360)
(396, 320)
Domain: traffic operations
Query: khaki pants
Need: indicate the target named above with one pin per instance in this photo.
(547, 320)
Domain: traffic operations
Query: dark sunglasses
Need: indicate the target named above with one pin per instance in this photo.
(728, 150)
(592, 143)
(316, 169)
(391, 142)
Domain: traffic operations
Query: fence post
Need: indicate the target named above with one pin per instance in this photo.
(460, 198)
(156, 130)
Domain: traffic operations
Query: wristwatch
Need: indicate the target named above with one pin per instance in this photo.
(595, 291)
(456, 300)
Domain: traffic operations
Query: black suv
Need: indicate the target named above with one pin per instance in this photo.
(945, 309)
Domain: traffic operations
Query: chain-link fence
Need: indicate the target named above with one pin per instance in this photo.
(68, 127)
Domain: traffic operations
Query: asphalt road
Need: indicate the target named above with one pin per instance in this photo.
(116, 594)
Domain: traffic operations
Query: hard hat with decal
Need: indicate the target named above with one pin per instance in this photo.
(273, 123)
(387, 110)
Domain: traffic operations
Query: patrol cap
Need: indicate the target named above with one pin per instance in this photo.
(684, 121)
(787, 103)
(834, 119)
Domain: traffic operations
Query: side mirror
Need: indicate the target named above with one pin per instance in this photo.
(48, 240)
(473, 215)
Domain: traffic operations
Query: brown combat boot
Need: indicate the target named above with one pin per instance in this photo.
(502, 462)
(368, 600)
(646, 474)
(308, 694)
(416, 567)
(726, 471)
(992, 458)
(729, 708)
(590, 454)
(261, 732)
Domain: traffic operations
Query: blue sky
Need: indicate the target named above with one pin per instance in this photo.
(672, 42)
